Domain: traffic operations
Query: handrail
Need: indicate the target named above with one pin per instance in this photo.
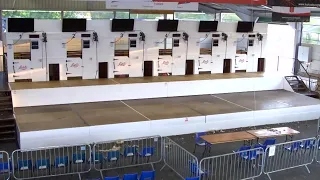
(306, 71)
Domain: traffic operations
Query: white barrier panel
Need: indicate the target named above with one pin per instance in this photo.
(5, 165)
(51, 161)
(179, 159)
(67, 95)
(127, 153)
(290, 155)
(246, 164)
(218, 86)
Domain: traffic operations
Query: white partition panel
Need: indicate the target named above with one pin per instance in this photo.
(119, 131)
(224, 86)
(56, 137)
(169, 127)
(166, 127)
(82, 94)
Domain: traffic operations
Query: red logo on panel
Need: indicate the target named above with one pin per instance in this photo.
(75, 65)
(205, 61)
(122, 64)
(165, 63)
(23, 68)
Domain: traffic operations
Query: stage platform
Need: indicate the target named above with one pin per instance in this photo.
(131, 80)
(103, 121)
(25, 94)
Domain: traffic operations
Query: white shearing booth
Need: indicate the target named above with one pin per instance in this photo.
(78, 55)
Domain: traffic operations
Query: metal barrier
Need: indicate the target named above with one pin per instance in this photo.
(246, 164)
(4, 165)
(51, 161)
(127, 153)
(179, 159)
(290, 155)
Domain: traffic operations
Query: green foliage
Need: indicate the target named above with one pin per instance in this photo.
(194, 16)
(101, 15)
(146, 16)
(32, 14)
(229, 17)
(122, 15)
(226, 17)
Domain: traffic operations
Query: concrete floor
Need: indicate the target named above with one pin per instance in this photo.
(131, 80)
(90, 114)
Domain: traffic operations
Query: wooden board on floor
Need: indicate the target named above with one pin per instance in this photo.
(130, 80)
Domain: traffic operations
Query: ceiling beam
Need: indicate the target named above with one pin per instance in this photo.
(242, 12)
(207, 9)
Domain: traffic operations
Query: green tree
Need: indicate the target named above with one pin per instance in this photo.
(194, 16)
(229, 17)
(32, 14)
(146, 16)
(101, 14)
(122, 15)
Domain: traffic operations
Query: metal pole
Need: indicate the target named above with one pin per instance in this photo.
(62, 14)
(298, 36)
(1, 27)
(318, 130)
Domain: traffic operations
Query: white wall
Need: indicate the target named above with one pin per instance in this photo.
(103, 51)
(279, 49)
(314, 66)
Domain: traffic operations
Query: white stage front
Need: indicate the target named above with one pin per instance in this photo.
(165, 127)
(83, 94)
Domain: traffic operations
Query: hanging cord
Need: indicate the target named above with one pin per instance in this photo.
(165, 37)
(73, 36)
(121, 36)
(204, 38)
(225, 53)
(261, 49)
(20, 37)
(97, 61)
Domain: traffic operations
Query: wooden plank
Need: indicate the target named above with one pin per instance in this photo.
(228, 137)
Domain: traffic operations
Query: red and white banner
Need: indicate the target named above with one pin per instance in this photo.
(290, 14)
(151, 5)
(294, 3)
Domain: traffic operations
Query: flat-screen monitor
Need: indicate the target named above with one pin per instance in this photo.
(74, 25)
(244, 26)
(168, 25)
(121, 25)
(208, 26)
(20, 25)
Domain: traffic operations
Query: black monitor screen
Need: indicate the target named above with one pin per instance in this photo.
(20, 25)
(208, 26)
(168, 25)
(74, 25)
(245, 26)
(121, 25)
